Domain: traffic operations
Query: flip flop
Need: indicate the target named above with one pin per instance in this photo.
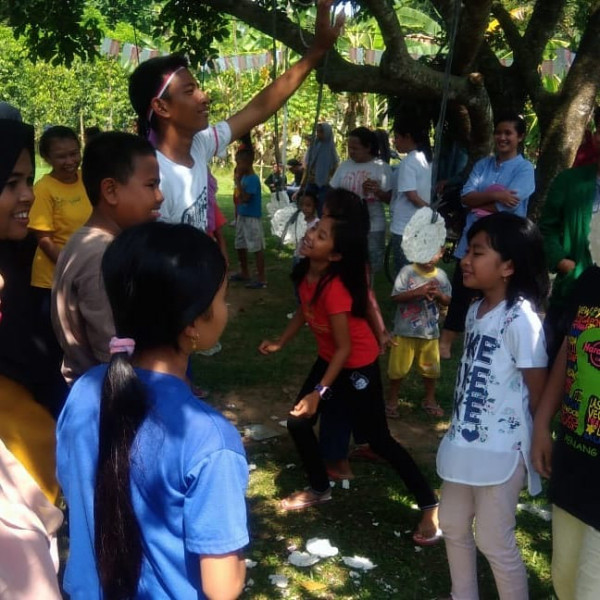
(295, 502)
(421, 540)
(433, 410)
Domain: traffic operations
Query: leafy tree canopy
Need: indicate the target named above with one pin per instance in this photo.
(489, 31)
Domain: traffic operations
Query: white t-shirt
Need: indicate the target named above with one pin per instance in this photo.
(413, 173)
(351, 175)
(184, 188)
(491, 422)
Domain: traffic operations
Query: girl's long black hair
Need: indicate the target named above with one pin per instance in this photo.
(350, 228)
(520, 241)
(159, 278)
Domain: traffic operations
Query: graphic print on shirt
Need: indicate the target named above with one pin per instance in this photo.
(196, 215)
(476, 400)
(359, 381)
(580, 412)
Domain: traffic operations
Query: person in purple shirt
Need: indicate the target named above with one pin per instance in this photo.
(502, 182)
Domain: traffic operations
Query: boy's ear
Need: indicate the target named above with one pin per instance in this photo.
(108, 190)
(159, 107)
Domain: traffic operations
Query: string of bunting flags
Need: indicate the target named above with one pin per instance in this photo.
(131, 54)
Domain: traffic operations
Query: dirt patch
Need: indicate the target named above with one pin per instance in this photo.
(270, 408)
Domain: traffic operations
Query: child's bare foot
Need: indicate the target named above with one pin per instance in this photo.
(304, 499)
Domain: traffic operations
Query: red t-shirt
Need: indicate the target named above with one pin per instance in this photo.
(335, 299)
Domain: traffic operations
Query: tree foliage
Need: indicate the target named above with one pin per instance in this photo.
(524, 31)
(78, 96)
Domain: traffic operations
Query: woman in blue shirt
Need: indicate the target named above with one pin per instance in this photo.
(502, 182)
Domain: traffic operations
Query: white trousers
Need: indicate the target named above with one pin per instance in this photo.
(492, 510)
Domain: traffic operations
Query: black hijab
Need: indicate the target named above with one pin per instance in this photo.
(14, 137)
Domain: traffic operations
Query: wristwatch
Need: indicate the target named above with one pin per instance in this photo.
(324, 391)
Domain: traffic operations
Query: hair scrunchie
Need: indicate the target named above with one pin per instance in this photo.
(117, 345)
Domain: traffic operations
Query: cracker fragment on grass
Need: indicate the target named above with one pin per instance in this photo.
(302, 559)
(280, 581)
(321, 547)
(358, 562)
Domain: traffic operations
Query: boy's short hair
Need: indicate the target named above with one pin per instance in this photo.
(111, 154)
(245, 154)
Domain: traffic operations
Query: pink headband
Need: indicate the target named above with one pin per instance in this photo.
(163, 88)
(117, 345)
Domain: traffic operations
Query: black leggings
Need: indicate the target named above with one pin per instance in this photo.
(361, 390)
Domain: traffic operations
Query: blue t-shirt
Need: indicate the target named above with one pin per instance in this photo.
(516, 174)
(188, 479)
(253, 207)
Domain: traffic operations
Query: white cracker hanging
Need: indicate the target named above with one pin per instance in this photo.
(422, 239)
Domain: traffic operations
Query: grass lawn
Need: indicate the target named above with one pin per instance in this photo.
(372, 519)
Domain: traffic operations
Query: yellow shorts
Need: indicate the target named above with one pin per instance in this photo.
(402, 356)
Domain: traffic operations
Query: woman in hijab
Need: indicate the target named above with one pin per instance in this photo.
(321, 162)
(28, 487)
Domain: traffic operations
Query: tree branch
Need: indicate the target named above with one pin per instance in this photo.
(474, 18)
(567, 116)
(541, 27)
(390, 28)
(511, 31)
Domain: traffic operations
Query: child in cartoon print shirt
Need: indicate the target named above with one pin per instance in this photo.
(573, 461)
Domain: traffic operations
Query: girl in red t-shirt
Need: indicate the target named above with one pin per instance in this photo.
(333, 289)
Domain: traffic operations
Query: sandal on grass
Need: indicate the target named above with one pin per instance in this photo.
(433, 410)
(423, 540)
(304, 499)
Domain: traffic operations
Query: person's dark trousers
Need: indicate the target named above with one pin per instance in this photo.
(461, 300)
(362, 392)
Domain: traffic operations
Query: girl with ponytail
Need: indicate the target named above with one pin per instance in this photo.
(154, 478)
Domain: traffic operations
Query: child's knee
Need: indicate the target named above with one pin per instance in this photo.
(455, 522)
(495, 542)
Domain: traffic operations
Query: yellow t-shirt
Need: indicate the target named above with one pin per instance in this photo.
(61, 208)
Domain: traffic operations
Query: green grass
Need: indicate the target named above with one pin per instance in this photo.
(363, 520)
